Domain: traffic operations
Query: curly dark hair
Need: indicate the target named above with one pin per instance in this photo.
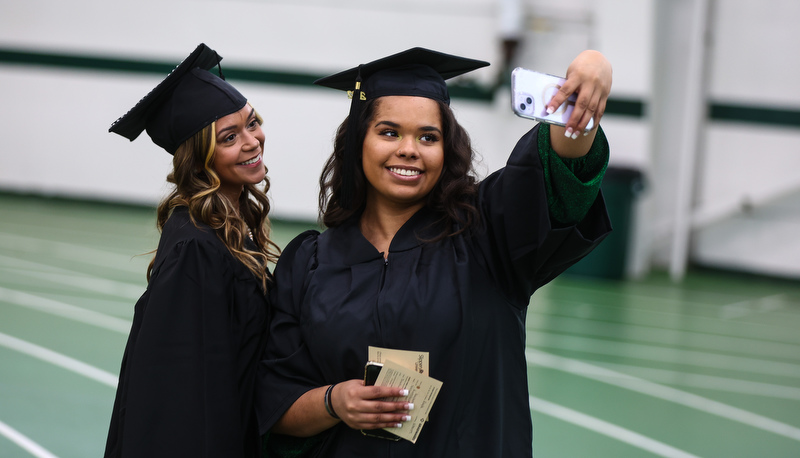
(197, 188)
(452, 197)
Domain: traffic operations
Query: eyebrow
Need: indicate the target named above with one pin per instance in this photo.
(395, 125)
(252, 113)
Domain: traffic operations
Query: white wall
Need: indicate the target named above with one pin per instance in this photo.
(747, 210)
(270, 35)
(736, 167)
(54, 121)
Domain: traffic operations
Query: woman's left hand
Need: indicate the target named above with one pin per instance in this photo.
(589, 75)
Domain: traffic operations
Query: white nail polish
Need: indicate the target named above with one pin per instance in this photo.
(574, 135)
(568, 133)
(410, 406)
(406, 417)
(403, 392)
(399, 425)
(550, 110)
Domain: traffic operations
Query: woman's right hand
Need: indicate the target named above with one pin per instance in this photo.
(366, 407)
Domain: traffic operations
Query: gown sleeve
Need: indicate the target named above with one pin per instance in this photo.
(287, 370)
(572, 184)
(523, 246)
(182, 396)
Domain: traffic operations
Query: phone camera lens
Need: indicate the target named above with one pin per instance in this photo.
(529, 100)
(522, 106)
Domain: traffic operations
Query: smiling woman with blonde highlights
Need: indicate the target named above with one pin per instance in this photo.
(186, 385)
(235, 208)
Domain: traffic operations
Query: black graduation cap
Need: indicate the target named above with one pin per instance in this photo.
(416, 72)
(187, 100)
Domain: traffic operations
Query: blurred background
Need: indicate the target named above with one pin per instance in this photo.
(705, 101)
(703, 120)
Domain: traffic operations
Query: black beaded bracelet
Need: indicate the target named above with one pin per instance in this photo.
(328, 405)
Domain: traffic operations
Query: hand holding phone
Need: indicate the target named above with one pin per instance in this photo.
(371, 372)
(531, 91)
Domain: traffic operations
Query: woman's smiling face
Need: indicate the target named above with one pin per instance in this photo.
(238, 154)
(403, 152)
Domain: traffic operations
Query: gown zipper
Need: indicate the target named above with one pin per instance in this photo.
(378, 310)
(383, 272)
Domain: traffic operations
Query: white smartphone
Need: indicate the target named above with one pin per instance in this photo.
(530, 93)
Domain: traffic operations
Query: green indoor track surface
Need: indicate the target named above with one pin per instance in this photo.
(709, 367)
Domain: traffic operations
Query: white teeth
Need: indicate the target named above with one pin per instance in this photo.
(251, 161)
(405, 172)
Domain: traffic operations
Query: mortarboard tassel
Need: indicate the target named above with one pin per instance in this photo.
(349, 166)
(219, 69)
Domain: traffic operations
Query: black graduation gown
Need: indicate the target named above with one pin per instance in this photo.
(463, 299)
(186, 385)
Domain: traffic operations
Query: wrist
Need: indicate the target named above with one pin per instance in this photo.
(328, 403)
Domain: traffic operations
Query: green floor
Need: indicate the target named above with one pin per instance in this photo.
(707, 368)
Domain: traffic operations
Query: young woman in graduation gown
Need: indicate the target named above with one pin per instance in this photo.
(187, 380)
(419, 256)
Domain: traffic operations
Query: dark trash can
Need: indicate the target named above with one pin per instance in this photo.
(621, 186)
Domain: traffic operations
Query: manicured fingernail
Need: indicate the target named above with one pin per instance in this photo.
(410, 406)
(550, 110)
(399, 425)
(586, 132)
(403, 392)
(568, 133)
(406, 417)
(574, 135)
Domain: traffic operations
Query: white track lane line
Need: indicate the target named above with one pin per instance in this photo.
(20, 439)
(64, 310)
(605, 428)
(71, 251)
(662, 392)
(647, 352)
(706, 382)
(57, 359)
(694, 340)
(83, 281)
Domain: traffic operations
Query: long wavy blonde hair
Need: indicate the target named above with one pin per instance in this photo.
(197, 187)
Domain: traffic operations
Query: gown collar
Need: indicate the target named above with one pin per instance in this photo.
(354, 248)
